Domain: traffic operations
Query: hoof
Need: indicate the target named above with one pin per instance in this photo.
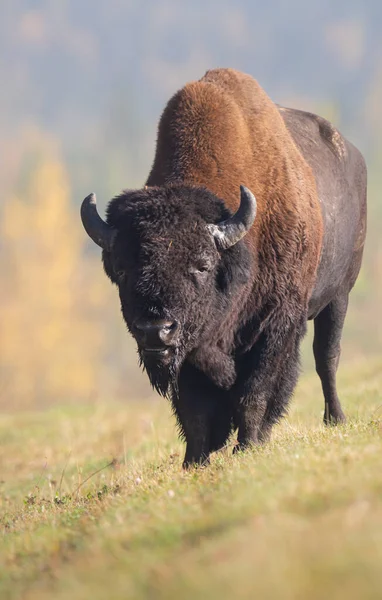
(243, 446)
(334, 419)
(195, 464)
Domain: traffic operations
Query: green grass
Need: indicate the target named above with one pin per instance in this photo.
(300, 518)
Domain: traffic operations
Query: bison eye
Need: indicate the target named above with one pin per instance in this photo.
(200, 269)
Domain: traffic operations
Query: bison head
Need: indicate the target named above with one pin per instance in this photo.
(175, 254)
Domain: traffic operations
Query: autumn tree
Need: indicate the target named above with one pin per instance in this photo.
(52, 339)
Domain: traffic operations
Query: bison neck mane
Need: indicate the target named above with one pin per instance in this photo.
(223, 131)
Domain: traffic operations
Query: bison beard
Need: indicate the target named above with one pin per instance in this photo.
(163, 376)
(236, 277)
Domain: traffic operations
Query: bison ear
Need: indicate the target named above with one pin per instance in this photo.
(100, 232)
(228, 233)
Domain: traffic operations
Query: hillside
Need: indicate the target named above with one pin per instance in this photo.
(94, 504)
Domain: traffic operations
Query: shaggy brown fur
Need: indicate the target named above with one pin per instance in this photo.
(223, 131)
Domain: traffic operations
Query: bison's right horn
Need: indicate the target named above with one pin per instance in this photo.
(228, 233)
(100, 232)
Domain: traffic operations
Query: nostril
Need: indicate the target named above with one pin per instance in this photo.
(170, 327)
(167, 331)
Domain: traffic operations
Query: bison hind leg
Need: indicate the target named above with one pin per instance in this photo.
(326, 346)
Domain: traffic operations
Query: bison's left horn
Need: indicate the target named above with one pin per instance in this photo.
(100, 232)
(228, 233)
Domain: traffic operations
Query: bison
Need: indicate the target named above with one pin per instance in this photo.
(252, 221)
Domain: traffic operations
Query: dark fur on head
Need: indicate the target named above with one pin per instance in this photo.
(166, 265)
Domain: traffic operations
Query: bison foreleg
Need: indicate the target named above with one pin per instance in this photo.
(249, 417)
(195, 403)
(283, 389)
(271, 371)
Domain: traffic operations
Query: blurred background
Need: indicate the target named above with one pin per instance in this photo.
(83, 85)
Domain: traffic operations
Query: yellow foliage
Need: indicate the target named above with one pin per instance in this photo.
(51, 344)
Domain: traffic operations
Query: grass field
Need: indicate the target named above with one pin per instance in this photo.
(298, 519)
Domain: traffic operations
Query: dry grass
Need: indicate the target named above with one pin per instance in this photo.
(300, 518)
